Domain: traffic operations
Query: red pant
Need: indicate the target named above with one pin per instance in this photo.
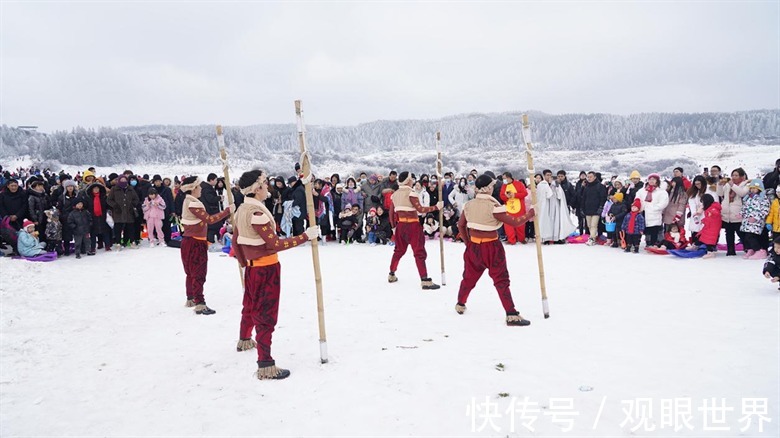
(195, 258)
(261, 306)
(410, 233)
(490, 256)
(515, 234)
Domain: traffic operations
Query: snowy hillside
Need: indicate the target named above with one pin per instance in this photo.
(103, 346)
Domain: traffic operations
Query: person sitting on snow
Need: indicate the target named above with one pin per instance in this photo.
(28, 243)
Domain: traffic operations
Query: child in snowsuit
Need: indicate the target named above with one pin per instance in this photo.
(615, 214)
(772, 265)
(80, 222)
(372, 225)
(348, 222)
(773, 219)
(674, 238)
(431, 226)
(633, 227)
(28, 244)
(54, 232)
(154, 212)
(712, 222)
(755, 208)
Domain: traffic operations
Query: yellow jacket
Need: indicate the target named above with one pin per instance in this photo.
(774, 216)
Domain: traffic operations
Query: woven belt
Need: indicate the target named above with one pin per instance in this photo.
(479, 240)
(263, 261)
(407, 220)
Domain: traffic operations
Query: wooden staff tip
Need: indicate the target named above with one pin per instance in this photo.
(219, 129)
(298, 106)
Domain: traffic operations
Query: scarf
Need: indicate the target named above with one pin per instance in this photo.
(632, 222)
(649, 196)
(97, 208)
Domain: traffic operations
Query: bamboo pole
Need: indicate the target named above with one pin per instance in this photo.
(315, 251)
(531, 172)
(223, 156)
(441, 212)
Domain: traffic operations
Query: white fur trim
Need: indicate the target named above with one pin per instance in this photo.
(260, 220)
(191, 186)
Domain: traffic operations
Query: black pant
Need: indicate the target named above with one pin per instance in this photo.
(731, 229)
(81, 244)
(751, 241)
(651, 235)
(297, 226)
(123, 231)
(67, 236)
(633, 239)
(166, 228)
(104, 235)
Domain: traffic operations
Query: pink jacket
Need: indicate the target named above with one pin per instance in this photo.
(154, 210)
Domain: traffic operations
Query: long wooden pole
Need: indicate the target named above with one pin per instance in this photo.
(441, 212)
(223, 156)
(530, 157)
(315, 251)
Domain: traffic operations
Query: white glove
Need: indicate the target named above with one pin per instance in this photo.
(306, 179)
(440, 205)
(312, 233)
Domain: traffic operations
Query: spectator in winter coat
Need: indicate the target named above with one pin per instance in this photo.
(54, 232)
(372, 191)
(166, 195)
(28, 244)
(122, 199)
(210, 200)
(568, 189)
(617, 212)
(731, 192)
(772, 179)
(513, 194)
(431, 226)
(433, 191)
(578, 189)
(633, 187)
(654, 200)
(674, 212)
(80, 223)
(384, 231)
(773, 218)
(712, 221)
(593, 197)
(297, 194)
(37, 204)
(96, 204)
(154, 213)
(633, 226)
(697, 190)
(755, 208)
(348, 224)
(13, 203)
(459, 195)
(65, 205)
(679, 173)
(772, 266)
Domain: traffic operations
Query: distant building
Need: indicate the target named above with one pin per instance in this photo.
(28, 128)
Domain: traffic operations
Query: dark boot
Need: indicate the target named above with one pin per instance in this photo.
(391, 278)
(267, 370)
(516, 320)
(428, 284)
(203, 309)
(636, 249)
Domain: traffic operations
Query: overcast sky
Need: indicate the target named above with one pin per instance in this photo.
(133, 63)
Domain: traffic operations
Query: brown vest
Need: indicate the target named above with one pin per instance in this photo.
(187, 217)
(401, 200)
(479, 213)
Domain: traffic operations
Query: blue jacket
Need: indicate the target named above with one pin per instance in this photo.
(29, 246)
(639, 223)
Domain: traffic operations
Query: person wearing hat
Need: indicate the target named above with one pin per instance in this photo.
(28, 244)
(755, 209)
(257, 247)
(513, 194)
(633, 226)
(409, 231)
(481, 217)
(634, 185)
(87, 179)
(13, 203)
(80, 224)
(194, 246)
(123, 199)
(37, 204)
(653, 201)
(65, 204)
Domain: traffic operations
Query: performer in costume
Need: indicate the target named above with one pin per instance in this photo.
(256, 248)
(481, 217)
(406, 205)
(194, 246)
(513, 194)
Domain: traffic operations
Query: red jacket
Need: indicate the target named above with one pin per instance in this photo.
(516, 205)
(677, 245)
(712, 222)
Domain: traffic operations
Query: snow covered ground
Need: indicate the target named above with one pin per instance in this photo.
(103, 346)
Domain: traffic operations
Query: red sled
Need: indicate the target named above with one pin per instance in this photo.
(656, 250)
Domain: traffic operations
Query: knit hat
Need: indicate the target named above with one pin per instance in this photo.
(87, 173)
(68, 183)
(635, 174)
(756, 183)
(618, 197)
(156, 178)
(372, 210)
(27, 223)
(656, 176)
(637, 203)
